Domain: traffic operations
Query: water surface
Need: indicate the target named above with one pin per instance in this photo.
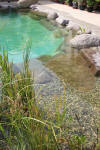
(18, 29)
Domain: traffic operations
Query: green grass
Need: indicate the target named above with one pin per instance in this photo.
(23, 125)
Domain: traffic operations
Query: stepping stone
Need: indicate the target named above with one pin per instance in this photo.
(92, 56)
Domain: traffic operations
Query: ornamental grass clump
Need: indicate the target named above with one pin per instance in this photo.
(23, 125)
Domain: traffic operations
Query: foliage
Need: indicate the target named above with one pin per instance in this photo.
(97, 0)
(90, 2)
(83, 30)
(75, 0)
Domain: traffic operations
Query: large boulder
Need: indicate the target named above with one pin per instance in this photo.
(85, 41)
(26, 3)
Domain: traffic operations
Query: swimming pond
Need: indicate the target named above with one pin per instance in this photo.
(19, 31)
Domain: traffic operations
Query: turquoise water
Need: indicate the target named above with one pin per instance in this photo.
(17, 29)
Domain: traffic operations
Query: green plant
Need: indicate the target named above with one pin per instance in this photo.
(75, 0)
(21, 122)
(22, 125)
(61, 1)
(77, 142)
(83, 30)
(97, 0)
(67, 1)
(90, 2)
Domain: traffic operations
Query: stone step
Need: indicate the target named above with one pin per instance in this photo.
(92, 56)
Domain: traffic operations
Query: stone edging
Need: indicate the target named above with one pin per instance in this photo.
(82, 34)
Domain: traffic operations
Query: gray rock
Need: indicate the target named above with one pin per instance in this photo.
(6, 6)
(62, 21)
(3, 6)
(13, 7)
(16, 69)
(73, 26)
(85, 41)
(52, 16)
(26, 3)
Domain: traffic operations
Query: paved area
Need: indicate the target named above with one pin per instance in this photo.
(90, 20)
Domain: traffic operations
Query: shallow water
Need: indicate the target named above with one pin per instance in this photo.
(19, 31)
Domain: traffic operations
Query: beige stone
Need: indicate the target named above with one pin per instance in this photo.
(26, 3)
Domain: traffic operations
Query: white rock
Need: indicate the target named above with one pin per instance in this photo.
(62, 21)
(34, 6)
(96, 58)
(52, 16)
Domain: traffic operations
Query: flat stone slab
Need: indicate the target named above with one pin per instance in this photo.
(92, 56)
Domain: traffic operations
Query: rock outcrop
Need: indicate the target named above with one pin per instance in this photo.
(26, 3)
(85, 41)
